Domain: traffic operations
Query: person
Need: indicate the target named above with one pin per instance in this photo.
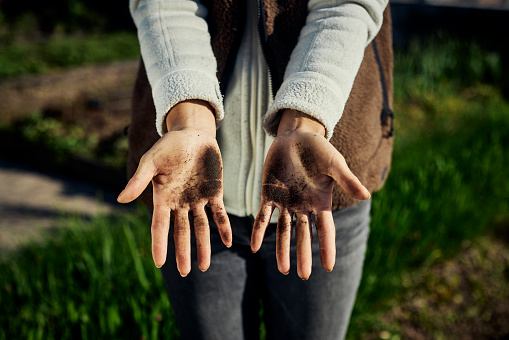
(305, 126)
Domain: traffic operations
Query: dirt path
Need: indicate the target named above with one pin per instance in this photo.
(95, 97)
(23, 95)
(31, 201)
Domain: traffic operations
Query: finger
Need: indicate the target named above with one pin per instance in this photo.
(341, 173)
(222, 221)
(283, 239)
(142, 177)
(159, 231)
(326, 238)
(303, 238)
(260, 226)
(202, 234)
(182, 238)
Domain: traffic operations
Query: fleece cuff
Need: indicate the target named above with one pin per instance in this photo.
(311, 93)
(185, 84)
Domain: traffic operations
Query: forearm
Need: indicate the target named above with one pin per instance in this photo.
(192, 114)
(175, 47)
(292, 120)
(323, 65)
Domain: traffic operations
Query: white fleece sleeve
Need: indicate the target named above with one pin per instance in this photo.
(323, 65)
(175, 47)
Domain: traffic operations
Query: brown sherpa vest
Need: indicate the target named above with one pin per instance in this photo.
(364, 133)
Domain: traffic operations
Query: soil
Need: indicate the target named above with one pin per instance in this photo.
(95, 97)
(464, 298)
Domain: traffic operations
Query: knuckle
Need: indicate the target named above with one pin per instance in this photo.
(145, 159)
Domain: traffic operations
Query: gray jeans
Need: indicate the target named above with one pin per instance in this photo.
(224, 302)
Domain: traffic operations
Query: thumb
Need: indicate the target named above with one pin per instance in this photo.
(140, 180)
(342, 174)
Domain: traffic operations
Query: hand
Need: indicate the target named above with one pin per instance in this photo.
(300, 169)
(186, 171)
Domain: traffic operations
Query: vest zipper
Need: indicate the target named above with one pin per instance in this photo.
(262, 38)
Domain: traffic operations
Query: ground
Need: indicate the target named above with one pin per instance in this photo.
(94, 97)
(462, 298)
(31, 200)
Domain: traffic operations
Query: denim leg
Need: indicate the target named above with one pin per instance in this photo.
(320, 307)
(223, 302)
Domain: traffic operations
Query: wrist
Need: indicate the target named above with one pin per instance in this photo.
(292, 120)
(192, 114)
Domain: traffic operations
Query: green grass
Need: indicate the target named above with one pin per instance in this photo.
(93, 281)
(29, 57)
(448, 183)
(449, 177)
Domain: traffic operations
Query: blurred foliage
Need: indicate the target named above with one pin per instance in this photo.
(61, 141)
(459, 63)
(28, 57)
(53, 134)
(91, 16)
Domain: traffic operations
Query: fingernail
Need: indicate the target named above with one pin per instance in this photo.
(183, 275)
(305, 278)
(281, 271)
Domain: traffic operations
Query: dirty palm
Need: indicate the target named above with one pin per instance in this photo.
(298, 176)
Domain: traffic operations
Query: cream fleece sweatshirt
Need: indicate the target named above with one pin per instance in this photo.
(241, 138)
(175, 46)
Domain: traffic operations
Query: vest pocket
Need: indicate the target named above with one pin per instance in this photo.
(388, 126)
